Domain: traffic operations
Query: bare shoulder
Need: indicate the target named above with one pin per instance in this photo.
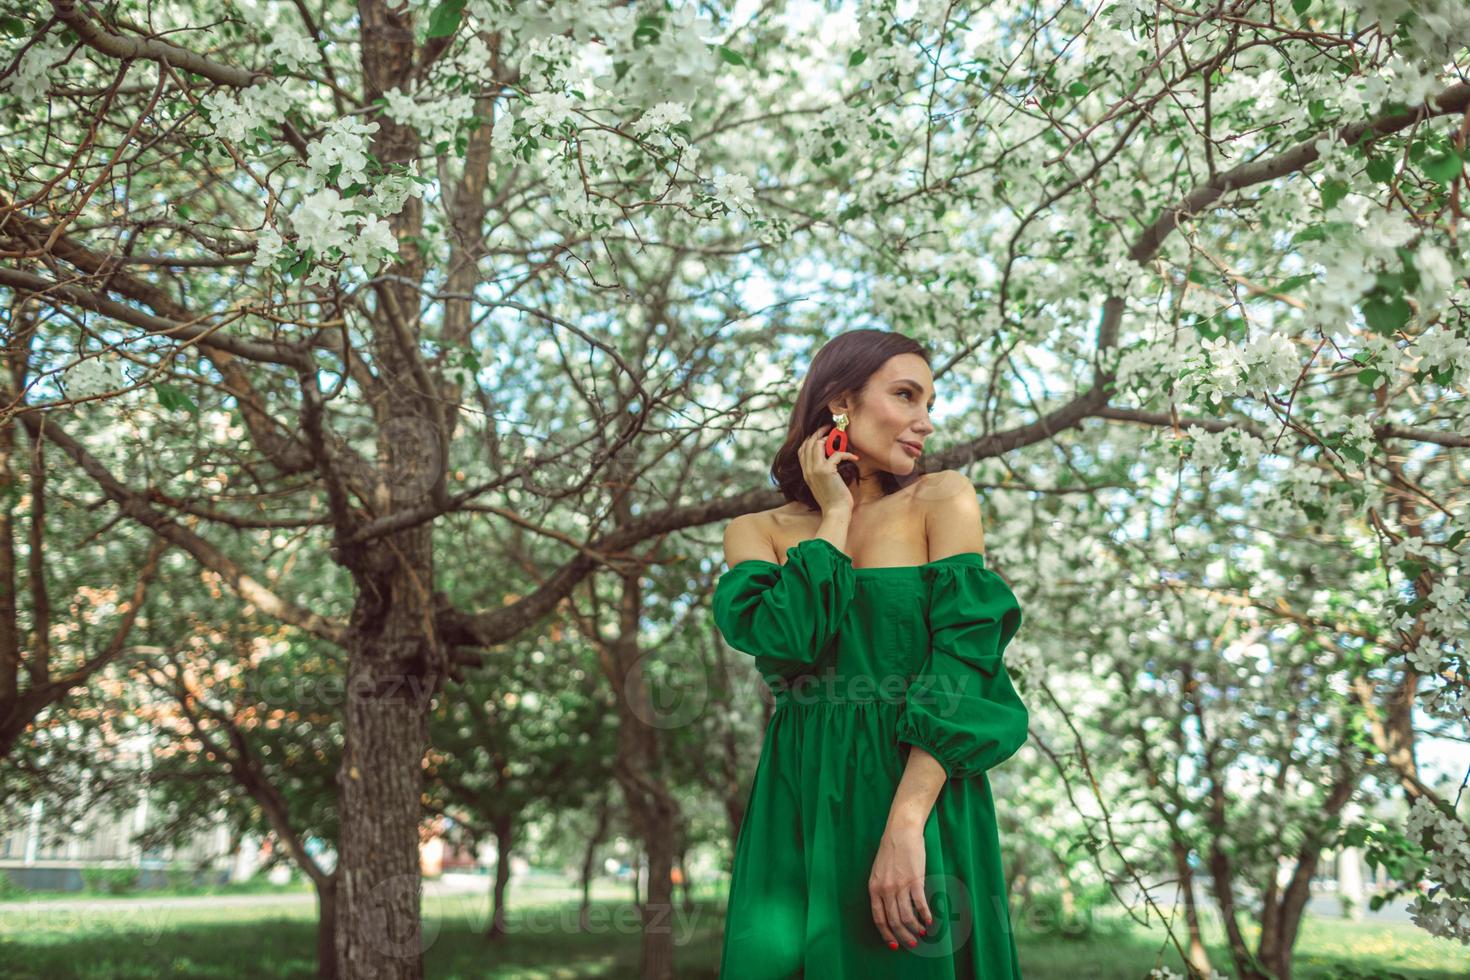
(945, 488)
(748, 536)
(951, 514)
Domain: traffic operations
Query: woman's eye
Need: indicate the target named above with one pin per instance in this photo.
(911, 398)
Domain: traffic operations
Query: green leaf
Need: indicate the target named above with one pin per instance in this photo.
(1287, 285)
(731, 57)
(1443, 167)
(1386, 314)
(1368, 377)
(647, 31)
(1078, 89)
(1380, 169)
(856, 58)
(1332, 192)
(1300, 6)
(444, 21)
(172, 398)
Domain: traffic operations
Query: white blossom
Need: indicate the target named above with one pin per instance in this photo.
(290, 49)
(371, 243)
(94, 376)
(344, 143)
(733, 191)
(321, 221)
(268, 247)
(661, 116)
(32, 76)
(548, 109)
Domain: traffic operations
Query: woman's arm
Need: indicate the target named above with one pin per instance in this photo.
(746, 539)
(952, 525)
(896, 887)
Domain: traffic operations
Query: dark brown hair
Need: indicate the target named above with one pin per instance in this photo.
(844, 364)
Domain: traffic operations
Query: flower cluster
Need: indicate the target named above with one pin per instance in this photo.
(290, 49)
(343, 144)
(93, 376)
(1434, 29)
(660, 118)
(437, 119)
(236, 115)
(32, 76)
(1444, 838)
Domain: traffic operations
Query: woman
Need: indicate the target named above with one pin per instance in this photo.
(869, 846)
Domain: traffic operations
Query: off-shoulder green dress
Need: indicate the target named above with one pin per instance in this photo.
(862, 662)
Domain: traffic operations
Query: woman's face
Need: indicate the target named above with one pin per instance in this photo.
(894, 410)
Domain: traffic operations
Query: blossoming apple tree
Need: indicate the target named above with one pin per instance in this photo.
(359, 236)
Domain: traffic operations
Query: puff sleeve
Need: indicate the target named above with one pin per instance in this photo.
(785, 615)
(961, 707)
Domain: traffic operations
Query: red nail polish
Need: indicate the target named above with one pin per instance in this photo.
(913, 942)
(892, 944)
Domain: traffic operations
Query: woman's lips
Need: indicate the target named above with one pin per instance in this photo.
(912, 450)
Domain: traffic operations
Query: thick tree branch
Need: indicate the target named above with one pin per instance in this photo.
(1382, 431)
(48, 291)
(94, 35)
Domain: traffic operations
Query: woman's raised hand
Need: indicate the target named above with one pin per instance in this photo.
(820, 472)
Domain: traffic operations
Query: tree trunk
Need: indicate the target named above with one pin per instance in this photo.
(1064, 886)
(639, 772)
(589, 855)
(1199, 957)
(1281, 918)
(326, 928)
(504, 843)
(395, 657)
(654, 812)
(686, 886)
(379, 786)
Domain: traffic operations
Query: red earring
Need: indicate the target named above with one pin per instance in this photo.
(837, 438)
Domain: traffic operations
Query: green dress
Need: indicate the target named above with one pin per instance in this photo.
(862, 661)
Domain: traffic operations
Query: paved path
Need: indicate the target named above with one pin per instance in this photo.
(91, 904)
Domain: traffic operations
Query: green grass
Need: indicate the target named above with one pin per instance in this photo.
(1327, 949)
(279, 941)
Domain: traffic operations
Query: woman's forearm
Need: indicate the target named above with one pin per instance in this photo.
(923, 778)
(835, 523)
